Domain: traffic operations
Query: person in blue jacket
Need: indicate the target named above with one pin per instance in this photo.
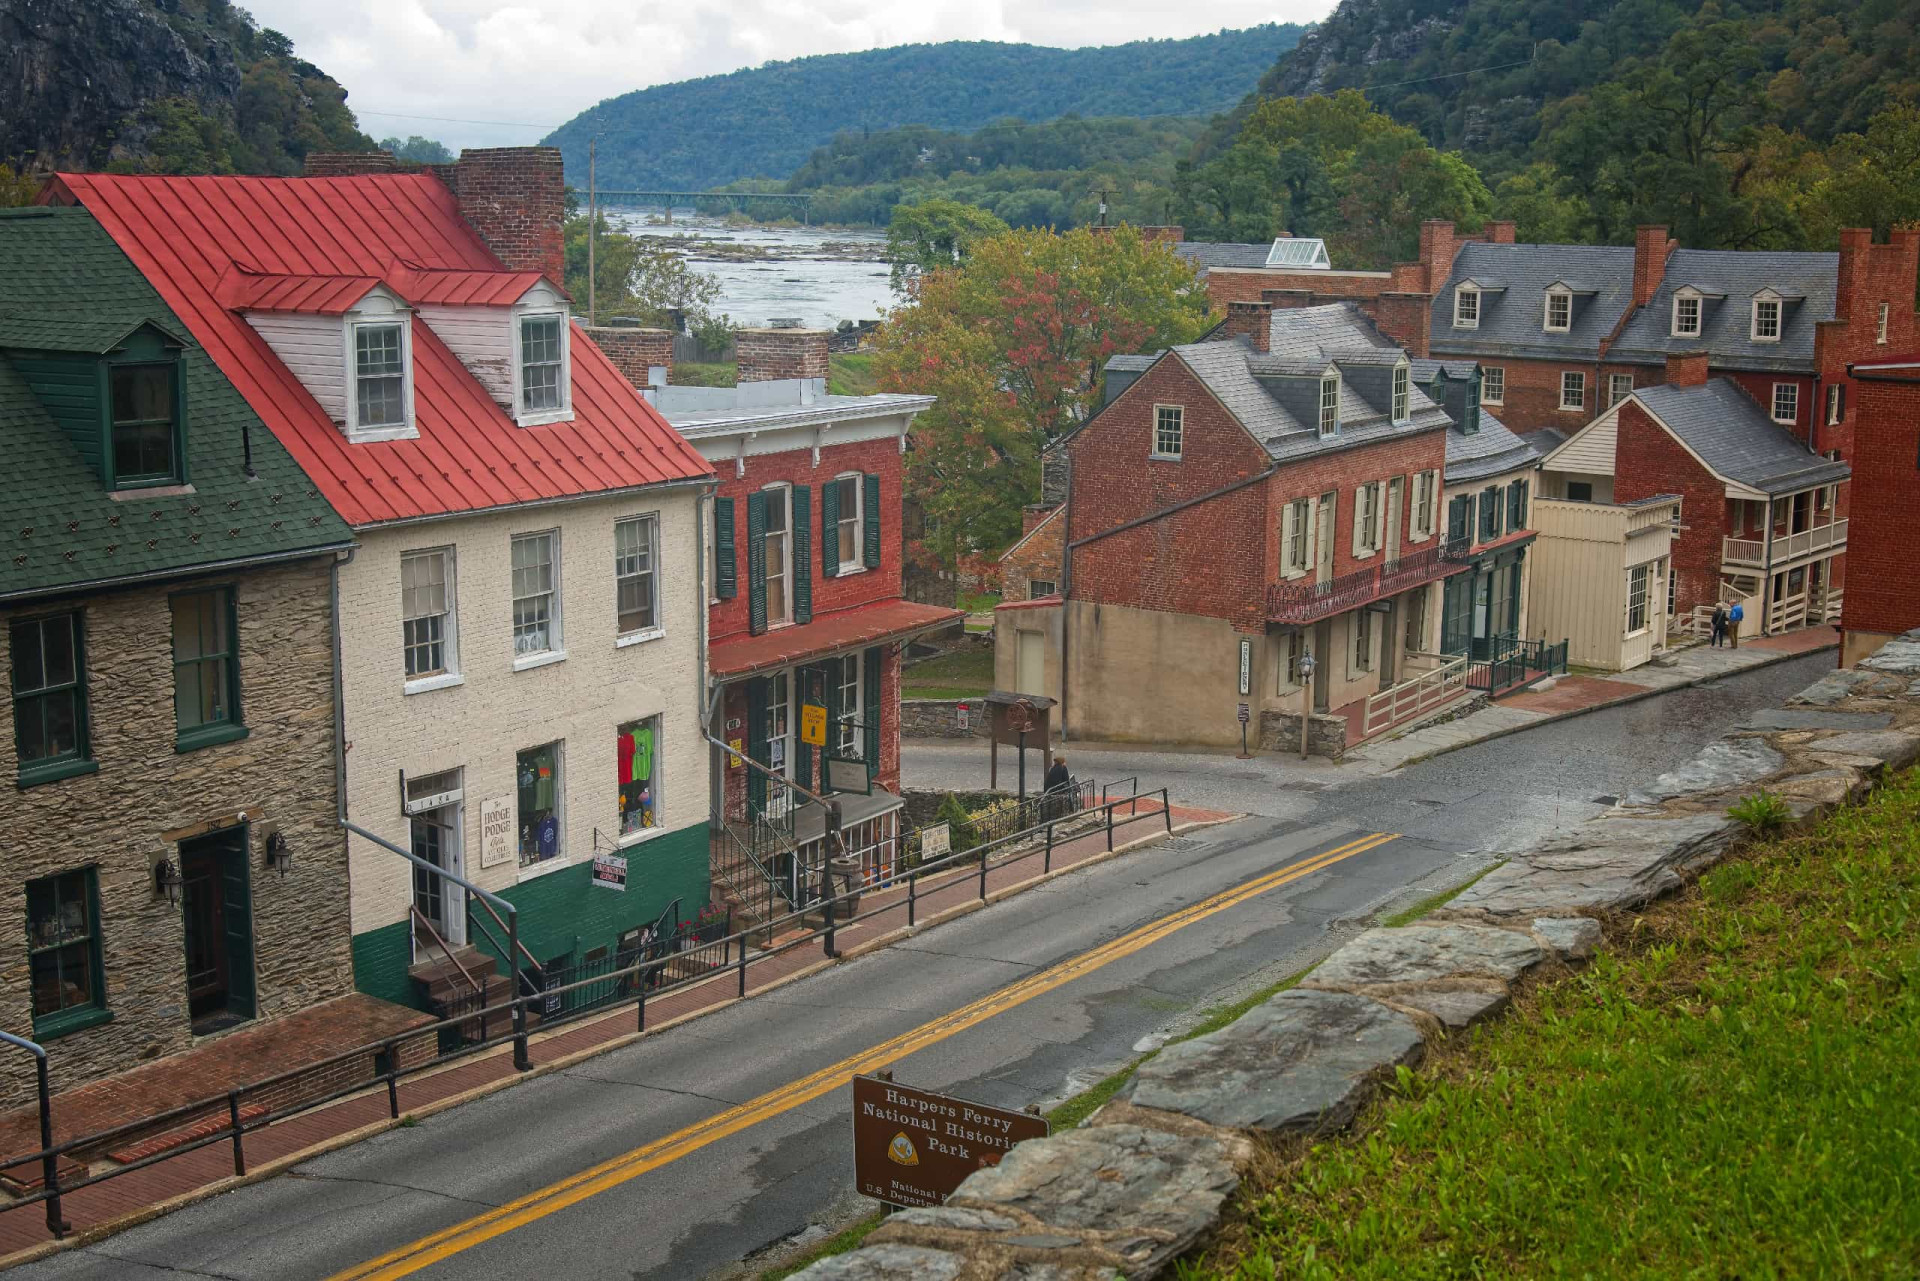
(1734, 616)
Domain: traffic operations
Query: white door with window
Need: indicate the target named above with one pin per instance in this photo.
(434, 810)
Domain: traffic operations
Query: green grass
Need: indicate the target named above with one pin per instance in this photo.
(1729, 1093)
(1432, 902)
(966, 673)
(691, 373)
(979, 602)
(850, 373)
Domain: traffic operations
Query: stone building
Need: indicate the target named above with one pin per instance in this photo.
(175, 866)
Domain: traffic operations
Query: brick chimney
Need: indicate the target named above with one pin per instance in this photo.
(1436, 251)
(766, 355)
(1687, 369)
(1407, 319)
(1498, 231)
(1287, 299)
(634, 351)
(1165, 235)
(516, 198)
(345, 164)
(1650, 250)
(1252, 321)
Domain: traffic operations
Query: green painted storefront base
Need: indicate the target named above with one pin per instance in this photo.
(562, 914)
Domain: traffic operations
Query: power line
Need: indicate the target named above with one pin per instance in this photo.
(452, 120)
(1447, 75)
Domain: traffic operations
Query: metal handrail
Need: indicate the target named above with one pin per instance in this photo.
(49, 1160)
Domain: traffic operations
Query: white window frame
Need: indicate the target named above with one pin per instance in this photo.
(650, 523)
(1162, 415)
(712, 525)
(1546, 319)
(856, 562)
(523, 416)
(1791, 393)
(556, 642)
(1639, 578)
(780, 722)
(1402, 393)
(1493, 384)
(781, 492)
(854, 662)
(1035, 584)
(1462, 293)
(540, 867)
(1699, 310)
(1329, 406)
(1366, 520)
(1426, 492)
(1573, 380)
(1298, 532)
(1779, 319)
(449, 673)
(1615, 391)
(1833, 404)
(1880, 329)
(659, 825)
(1286, 667)
(1362, 658)
(405, 429)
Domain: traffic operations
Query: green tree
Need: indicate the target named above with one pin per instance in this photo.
(17, 189)
(636, 276)
(932, 234)
(1872, 179)
(426, 151)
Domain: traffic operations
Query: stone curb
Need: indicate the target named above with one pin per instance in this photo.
(279, 1165)
(1149, 1174)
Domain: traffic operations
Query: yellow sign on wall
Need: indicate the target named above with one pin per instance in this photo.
(813, 724)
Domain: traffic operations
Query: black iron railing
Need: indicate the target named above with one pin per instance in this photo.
(1303, 602)
(1505, 663)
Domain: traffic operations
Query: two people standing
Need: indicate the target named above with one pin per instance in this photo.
(1726, 625)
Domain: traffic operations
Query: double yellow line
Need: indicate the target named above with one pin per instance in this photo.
(450, 1241)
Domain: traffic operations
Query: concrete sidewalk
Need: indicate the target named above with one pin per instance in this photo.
(1578, 694)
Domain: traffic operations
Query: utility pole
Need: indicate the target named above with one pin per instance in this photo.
(1103, 206)
(593, 231)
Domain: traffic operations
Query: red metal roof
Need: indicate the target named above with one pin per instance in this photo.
(242, 290)
(867, 624)
(184, 234)
(463, 288)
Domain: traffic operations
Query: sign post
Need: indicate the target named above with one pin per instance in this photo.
(1246, 714)
(1306, 699)
(914, 1147)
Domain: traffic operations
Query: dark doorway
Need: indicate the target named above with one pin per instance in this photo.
(216, 904)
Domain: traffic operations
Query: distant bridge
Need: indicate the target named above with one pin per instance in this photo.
(734, 200)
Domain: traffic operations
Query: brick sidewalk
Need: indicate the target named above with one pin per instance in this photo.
(202, 1171)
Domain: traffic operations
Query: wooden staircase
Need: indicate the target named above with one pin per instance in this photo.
(447, 989)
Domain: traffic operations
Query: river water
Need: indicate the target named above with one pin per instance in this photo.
(819, 276)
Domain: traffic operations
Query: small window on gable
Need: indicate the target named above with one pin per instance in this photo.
(378, 398)
(1329, 405)
(1402, 389)
(143, 416)
(1168, 429)
(1466, 307)
(1686, 314)
(1559, 311)
(1766, 320)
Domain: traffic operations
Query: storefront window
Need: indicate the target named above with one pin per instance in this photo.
(637, 750)
(537, 780)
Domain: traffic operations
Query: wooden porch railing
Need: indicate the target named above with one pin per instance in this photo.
(1786, 547)
(1412, 697)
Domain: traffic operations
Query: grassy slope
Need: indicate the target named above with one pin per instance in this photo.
(963, 674)
(1733, 1095)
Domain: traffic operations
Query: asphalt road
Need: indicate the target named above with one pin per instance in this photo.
(697, 1203)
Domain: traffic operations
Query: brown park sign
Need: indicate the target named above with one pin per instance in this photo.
(912, 1147)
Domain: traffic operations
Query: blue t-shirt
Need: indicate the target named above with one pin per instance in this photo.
(548, 836)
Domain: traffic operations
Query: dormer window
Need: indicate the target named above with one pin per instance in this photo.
(1329, 405)
(1466, 307)
(379, 375)
(1402, 393)
(143, 408)
(540, 373)
(1766, 319)
(1559, 311)
(1686, 314)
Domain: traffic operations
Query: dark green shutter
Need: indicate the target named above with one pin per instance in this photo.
(802, 555)
(1459, 517)
(756, 737)
(236, 910)
(830, 529)
(870, 498)
(808, 680)
(726, 579)
(756, 563)
(870, 695)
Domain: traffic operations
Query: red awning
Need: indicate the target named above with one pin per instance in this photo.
(869, 624)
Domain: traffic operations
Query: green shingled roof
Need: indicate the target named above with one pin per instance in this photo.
(61, 528)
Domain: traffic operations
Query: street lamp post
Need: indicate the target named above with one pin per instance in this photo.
(1306, 699)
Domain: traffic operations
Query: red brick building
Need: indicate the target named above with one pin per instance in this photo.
(1883, 600)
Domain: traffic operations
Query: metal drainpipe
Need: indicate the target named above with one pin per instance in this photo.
(339, 702)
(1066, 589)
(716, 778)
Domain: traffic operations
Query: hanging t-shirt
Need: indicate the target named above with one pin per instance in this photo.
(547, 836)
(624, 749)
(543, 786)
(642, 761)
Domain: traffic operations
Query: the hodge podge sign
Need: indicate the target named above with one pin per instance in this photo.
(912, 1147)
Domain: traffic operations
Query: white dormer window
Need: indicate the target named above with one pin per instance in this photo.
(1686, 314)
(1466, 307)
(1559, 311)
(542, 363)
(1329, 405)
(1402, 393)
(1766, 318)
(379, 369)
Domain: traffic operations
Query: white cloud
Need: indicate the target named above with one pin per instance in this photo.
(538, 63)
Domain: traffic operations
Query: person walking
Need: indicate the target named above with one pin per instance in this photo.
(1734, 616)
(1719, 624)
(1057, 783)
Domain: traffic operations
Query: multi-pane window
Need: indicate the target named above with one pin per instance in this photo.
(1329, 406)
(1466, 307)
(1299, 514)
(846, 531)
(779, 722)
(1040, 587)
(1880, 330)
(143, 403)
(637, 754)
(1559, 311)
(1836, 402)
(1639, 580)
(49, 692)
(1493, 384)
(536, 777)
(63, 949)
(205, 673)
(1286, 668)
(1363, 640)
(1168, 425)
(1619, 387)
(1786, 402)
(536, 603)
(1489, 513)
(426, 612)
(541, 363)
(779, 608)
(1573, 390)
(1416, 622)
(849, 735)
(635, 558)
(1686, 317)
(1673, 587)
(1766, 320)
(379, 375)
(1402, 392)
(1367, 518)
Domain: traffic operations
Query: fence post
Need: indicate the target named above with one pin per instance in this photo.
(983, 873)
(233, 1119)
(642, 972)
(1166, 807)
(827, 942)
(49, 1164)
(913, 885)
(1110, 828)
(743, 966)
(392, 1052)
(1046, 861)
(521, 1061)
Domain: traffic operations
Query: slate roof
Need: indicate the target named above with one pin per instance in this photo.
(1511, 321)
(1734, 436)
(1220, 253)
(185, 234)
(1132, 364)
(1726, 332)
(63, 530)
(1492, 450)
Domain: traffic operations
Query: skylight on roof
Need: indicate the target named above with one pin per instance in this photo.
(1299, 251)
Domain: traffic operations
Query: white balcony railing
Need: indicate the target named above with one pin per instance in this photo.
(1786, 547)
(1411, 697)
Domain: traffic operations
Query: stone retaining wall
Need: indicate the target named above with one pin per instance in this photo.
(1147, 1176)
(1280, 732)
(940, 718)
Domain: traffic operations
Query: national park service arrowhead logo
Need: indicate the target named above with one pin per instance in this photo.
(901, 1152)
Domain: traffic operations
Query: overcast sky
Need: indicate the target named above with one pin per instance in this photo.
(541, 62)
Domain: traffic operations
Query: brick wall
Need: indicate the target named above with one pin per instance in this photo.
(633, 350)
(1037, 555)
(1532, 397)
(1247, 284)
(1647, 461)
(113, 819)
(765, 355)
(1251, 321)
(1884, 592)
(733, 710)
(515, 197)
(1651, 248)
